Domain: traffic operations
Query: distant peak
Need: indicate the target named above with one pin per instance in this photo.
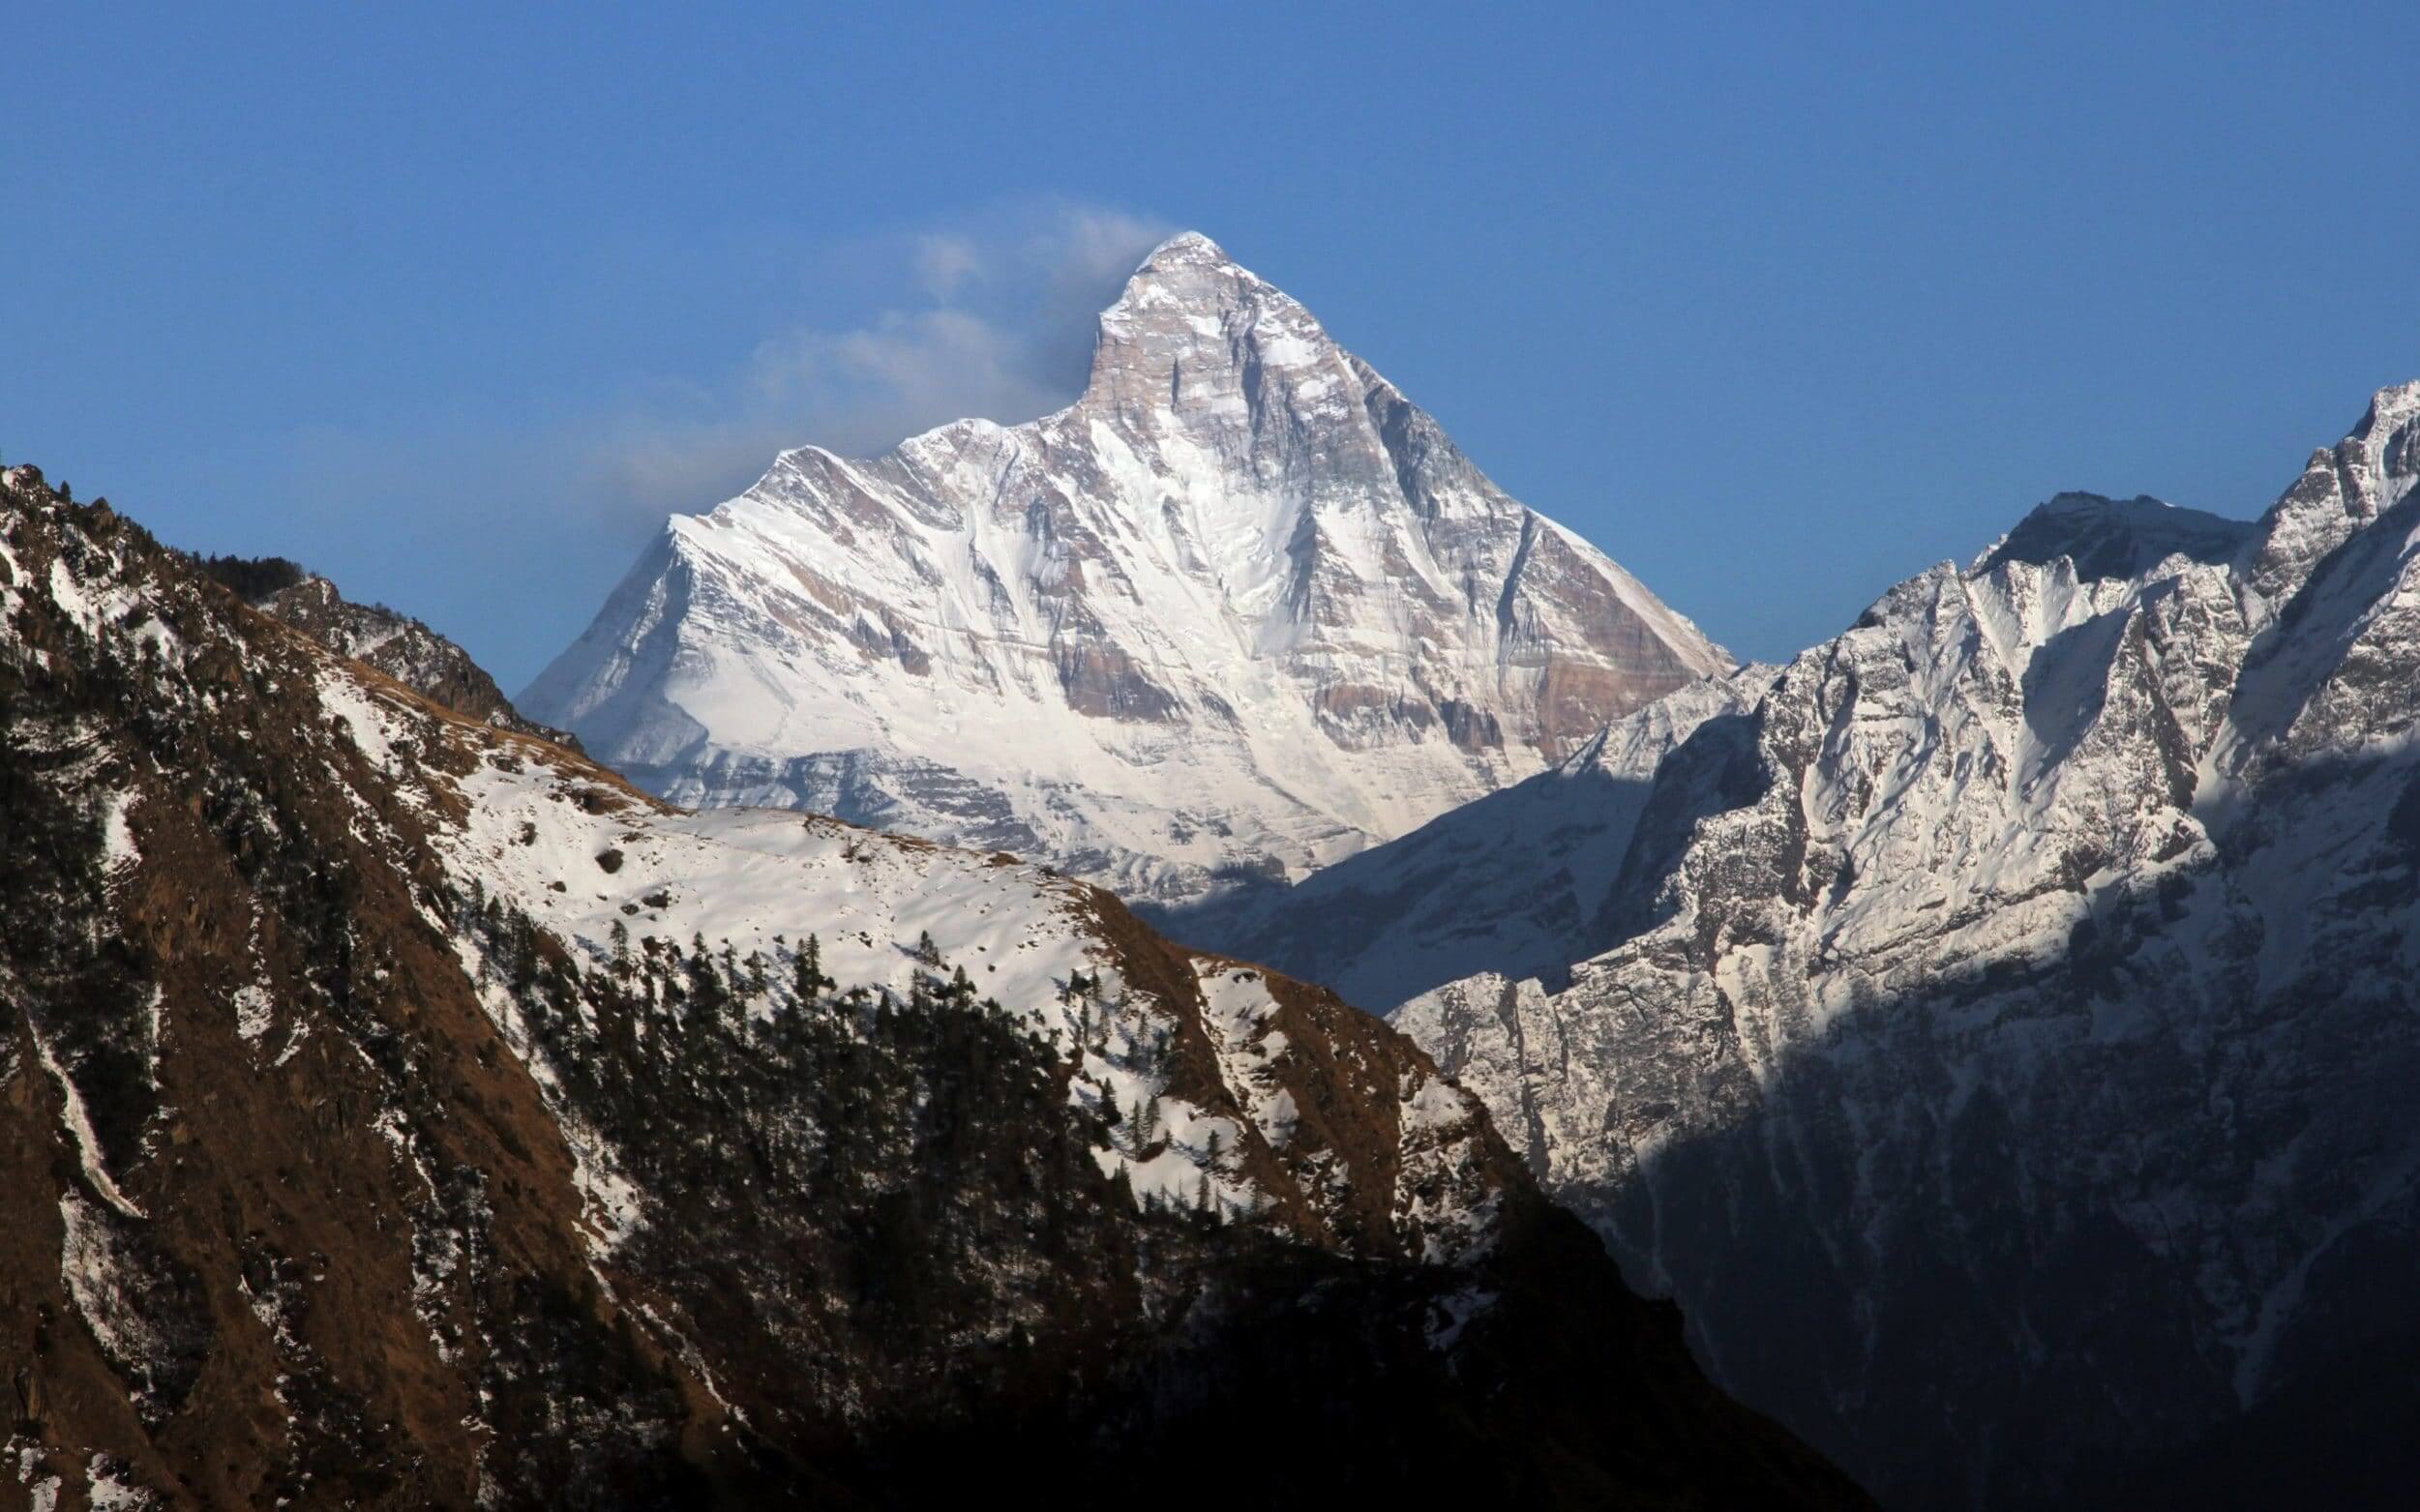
(1190, 270)
(1180, 320)
(2116, 538)
(1186, 247)
(2390, 405)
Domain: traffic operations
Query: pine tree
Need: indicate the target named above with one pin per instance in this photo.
(1201, 1195)
(926, 951)
(810, 978)
(1211, 1161)
(524, 957)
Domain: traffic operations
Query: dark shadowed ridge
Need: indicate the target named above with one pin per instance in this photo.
(2114, 537)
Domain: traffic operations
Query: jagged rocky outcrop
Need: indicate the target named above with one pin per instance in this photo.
(378, 638)
(1999, 1029)
(399, 1111)
(1238, 611)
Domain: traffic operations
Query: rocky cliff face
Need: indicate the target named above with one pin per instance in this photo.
(400, 1111)
(1240, 611)
(1998, 1027)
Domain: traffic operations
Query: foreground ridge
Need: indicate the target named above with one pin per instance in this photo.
(404, 1110)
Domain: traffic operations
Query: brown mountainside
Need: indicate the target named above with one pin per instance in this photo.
(402, 1110)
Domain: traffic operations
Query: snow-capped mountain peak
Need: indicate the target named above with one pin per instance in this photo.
(1238, 611)
(1188, 270)
(2116, 538)
(2341, 488)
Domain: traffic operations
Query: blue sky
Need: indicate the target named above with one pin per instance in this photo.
(454, 304)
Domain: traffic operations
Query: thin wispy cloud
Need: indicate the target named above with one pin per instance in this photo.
(991, 316)
(996, 323)
(946, 264)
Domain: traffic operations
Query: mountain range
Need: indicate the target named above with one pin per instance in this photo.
(1993, 1027)
(1996, 1027)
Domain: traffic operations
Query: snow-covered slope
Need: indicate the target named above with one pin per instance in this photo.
(1516, 884)
(1242, 610)
(399, 1111)
(889, 913)
(2003, 1036)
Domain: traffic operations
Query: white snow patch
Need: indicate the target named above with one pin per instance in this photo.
(108, 1493)
(255, 1012)
(118, 852)
(1434, 1105)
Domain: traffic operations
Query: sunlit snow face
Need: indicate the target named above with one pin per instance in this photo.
(1238, 611)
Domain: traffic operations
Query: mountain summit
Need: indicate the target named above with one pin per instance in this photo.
(1242, 610)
